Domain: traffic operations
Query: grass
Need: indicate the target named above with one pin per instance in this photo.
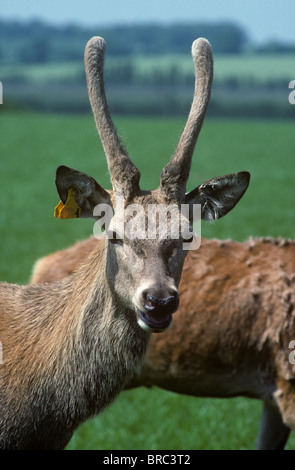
(33, 145)
(158, 420)
(244, 85)
(260, 67)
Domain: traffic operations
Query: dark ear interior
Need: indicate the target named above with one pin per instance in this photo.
(218, 196)
(88, 193)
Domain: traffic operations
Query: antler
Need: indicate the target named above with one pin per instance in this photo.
(175, 175)
(124, 174)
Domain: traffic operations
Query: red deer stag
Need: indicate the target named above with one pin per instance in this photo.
(235, 327)
(69, 347)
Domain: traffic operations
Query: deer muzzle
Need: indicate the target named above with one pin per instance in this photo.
(156, 314)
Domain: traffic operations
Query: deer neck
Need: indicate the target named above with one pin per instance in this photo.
(82, 352)
(101, 338)
(106, 326)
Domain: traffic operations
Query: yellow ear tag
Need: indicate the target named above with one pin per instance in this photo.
(70, 209)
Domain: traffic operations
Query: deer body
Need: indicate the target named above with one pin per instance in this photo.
(66, 363)
(234, 325)
(237, 316)
(69, 347)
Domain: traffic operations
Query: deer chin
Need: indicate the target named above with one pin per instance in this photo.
(151, 324)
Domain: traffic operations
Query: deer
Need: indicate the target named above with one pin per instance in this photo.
(235, 327)
(71, 346)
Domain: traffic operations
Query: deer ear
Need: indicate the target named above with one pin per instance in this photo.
(79, 194)
(219, 196)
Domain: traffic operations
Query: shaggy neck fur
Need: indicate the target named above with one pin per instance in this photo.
(69, 364)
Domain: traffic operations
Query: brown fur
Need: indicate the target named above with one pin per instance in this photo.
(64, 355)
(233, 328)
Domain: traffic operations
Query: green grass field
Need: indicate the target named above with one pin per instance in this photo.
(33, 145)
(245, 85)
(260, 67)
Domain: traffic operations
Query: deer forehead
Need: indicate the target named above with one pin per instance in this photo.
(144, 198)
(148, 216)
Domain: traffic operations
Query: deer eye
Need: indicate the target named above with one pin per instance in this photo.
(114, 238)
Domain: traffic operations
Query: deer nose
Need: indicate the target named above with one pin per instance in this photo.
(157, 305)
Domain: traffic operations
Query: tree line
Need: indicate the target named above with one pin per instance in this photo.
(37, 42)
(164, 89)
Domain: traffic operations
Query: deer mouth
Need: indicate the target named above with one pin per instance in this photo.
(153, 324)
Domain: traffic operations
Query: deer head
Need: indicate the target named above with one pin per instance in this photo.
(143, 272)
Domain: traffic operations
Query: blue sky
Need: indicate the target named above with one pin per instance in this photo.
(262, 19)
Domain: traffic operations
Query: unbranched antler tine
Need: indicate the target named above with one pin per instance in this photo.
(124, 174)
(175, 175)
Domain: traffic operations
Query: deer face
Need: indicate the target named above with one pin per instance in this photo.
(148, 238)
(144, 262)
